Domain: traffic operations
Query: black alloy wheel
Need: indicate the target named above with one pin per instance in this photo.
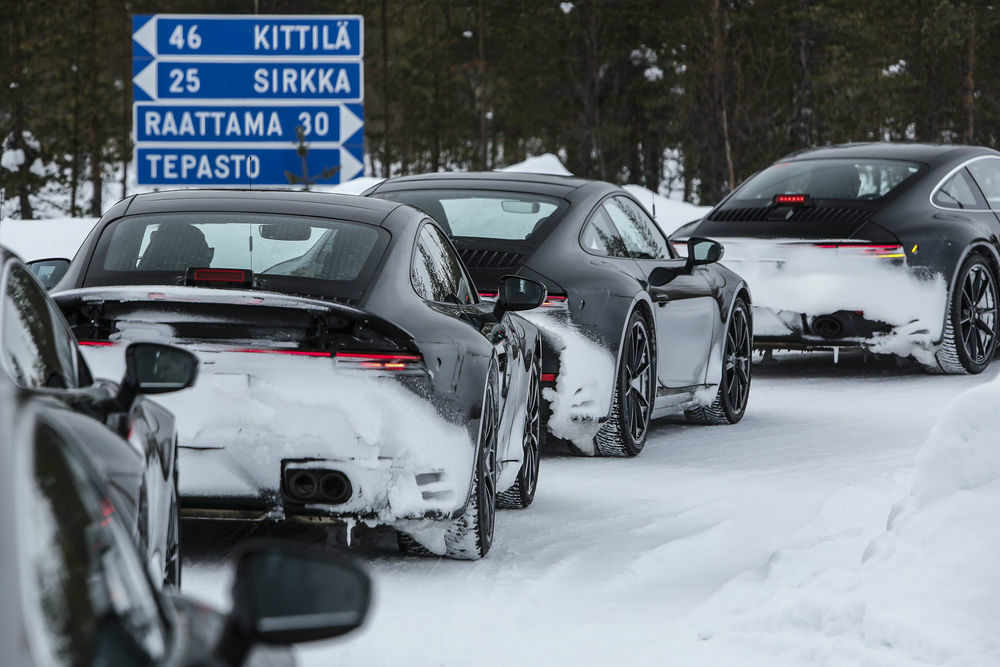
(978, 315)
(624, 434)
(730, 402)
(971, 327)
(522, 493)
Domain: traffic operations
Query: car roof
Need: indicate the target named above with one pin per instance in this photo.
(933, 154)
(321, 204)
(551, 184)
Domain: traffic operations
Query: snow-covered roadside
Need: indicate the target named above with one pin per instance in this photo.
(857, 588)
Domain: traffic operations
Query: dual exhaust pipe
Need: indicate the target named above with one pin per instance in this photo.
(318, 486)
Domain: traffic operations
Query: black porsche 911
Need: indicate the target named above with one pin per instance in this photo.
(632, 331)
(891, 247)
(132, 441)
(350, 371)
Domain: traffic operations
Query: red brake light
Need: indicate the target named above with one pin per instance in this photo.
(549, 377)
(884, 251)
(95, 343)
(380, 361)
(790, 199)
(558, 300)
(219, 276)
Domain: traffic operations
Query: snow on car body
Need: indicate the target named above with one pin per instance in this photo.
(870, 245)
(350, 371)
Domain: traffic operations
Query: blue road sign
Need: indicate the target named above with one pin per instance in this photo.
(242, 166)
(250, 36)
(341, 123)
(259, 80)
(217, 98)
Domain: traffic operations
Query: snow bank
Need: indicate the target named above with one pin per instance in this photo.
(43, 239)
(540, 164)
(924, 591)
(585, 386)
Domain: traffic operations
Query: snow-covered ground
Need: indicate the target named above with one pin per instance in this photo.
(764, 543)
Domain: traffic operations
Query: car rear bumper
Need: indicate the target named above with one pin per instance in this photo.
(378, 491)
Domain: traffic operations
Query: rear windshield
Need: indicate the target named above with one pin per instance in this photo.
(832, 178)
(284, 253)
(486, 214)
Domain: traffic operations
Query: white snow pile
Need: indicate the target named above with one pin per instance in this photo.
(585, 385)
(547, 163)
(924, 591)
(45, 239)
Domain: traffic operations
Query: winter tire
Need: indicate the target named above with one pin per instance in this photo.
(971, 325)
(730, 402)
(470, 536)
(624, 434)
(522, 493)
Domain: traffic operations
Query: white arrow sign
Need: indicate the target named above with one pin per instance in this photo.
(146, 79)
(349, 165)
(349, 123)
(146, 36)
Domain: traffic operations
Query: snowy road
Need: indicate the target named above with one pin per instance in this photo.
(648, 561)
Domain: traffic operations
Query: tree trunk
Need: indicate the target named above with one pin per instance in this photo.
(386, 98)
(968, 87)
(805, 108)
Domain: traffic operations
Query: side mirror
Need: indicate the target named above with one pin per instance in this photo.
(152, 368)
(704, 251)
(49, 271)
(284, 593)
(517, 293)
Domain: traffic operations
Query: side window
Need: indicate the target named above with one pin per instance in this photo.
(87, 599)
(987, 175)
(600, 237)
(959, 191)
(642, 237)
(38, 348)
(437, 273)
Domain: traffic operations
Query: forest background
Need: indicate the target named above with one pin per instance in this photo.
(684, 97)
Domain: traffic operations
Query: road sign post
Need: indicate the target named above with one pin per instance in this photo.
(217, 98)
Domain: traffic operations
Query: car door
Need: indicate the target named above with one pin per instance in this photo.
(685, 310)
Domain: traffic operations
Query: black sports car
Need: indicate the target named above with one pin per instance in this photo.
(77, 590)
(632, 331)
(131, 440)
(350, 371)
(893, 247)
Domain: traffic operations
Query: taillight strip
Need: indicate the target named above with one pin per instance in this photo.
(95, 343)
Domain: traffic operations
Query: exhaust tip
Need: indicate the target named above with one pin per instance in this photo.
(335, 487)
(828, 326)
(303, 484)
